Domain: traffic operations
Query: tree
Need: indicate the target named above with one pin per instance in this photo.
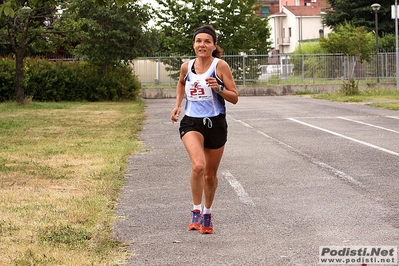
(24, 24)
(27, 25)
(110, 34)
(350, 41)
(360, 14)
(387, 43)
(239, 28)
(8, 7)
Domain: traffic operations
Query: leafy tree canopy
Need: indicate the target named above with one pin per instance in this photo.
(29, 29)
(239, 28)
(309, 48)
(112, 30)
(387, 43)
(7, 7)
(349, 40)
(360, 14)
(353, 42)
(108, 35)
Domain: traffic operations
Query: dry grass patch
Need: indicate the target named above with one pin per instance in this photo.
(61, 168)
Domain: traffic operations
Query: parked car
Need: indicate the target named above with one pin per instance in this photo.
(281, 70)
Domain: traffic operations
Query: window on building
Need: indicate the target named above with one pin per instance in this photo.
(289, 32)
(265, 11)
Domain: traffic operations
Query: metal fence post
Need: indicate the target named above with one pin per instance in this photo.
(303, 67)
(243, 67)
(158, 71)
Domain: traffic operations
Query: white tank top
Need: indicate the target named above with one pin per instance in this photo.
(201, 100)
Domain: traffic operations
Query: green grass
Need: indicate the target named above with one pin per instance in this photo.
(388, 99)
(61, 170)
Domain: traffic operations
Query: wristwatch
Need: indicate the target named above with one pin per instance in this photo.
(221, 88)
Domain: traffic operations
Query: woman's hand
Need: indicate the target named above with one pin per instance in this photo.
(174, 114)
(212, 83)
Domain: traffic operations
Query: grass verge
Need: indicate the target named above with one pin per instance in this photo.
(388, 99)
(61, 170)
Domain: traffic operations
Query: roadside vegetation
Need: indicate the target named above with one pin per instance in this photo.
(61, 169)
(388, 99)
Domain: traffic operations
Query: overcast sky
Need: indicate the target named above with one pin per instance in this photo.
(151, 2)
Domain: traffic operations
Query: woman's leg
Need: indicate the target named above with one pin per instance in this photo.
(194, 144)
(213, 158)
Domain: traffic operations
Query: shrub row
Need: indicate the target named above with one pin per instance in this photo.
(45, 80)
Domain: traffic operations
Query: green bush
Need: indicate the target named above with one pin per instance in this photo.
(350, 88)
(45, 80)
(7, 79)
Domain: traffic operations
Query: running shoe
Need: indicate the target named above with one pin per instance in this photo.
(206, 224)
(195, 221)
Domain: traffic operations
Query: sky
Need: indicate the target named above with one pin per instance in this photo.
(152, 3)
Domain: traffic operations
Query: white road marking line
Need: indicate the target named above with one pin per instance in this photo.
(320, 164)
(367, 124)
(346, 137)
(243, 123)
(238, 188)
(394, 117)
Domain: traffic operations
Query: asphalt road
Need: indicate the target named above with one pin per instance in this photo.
(297, 174)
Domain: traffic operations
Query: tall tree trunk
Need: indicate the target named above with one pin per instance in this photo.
(352, 74)
(19, 36)
(19, 74)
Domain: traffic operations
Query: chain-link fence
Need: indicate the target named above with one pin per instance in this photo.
(277, 69)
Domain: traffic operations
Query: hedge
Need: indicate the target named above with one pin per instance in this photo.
(46, 80)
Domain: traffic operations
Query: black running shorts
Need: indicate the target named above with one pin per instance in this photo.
(214, 129)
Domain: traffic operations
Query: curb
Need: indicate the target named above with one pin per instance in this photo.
(275, 90)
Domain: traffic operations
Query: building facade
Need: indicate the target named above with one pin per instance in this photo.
(267, 7)
(296, 21)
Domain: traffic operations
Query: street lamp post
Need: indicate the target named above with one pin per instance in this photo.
(376, 7)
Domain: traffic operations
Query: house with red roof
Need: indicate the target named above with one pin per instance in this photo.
(296, 21)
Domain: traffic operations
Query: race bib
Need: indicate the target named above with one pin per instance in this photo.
(198, 91)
